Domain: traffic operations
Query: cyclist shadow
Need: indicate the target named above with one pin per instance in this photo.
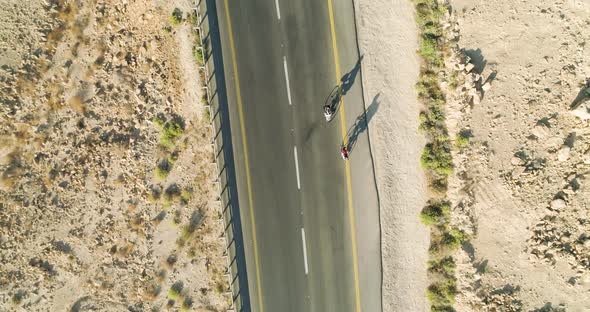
(346, 82)
(361, 123)
(348, 79)
(333, 99)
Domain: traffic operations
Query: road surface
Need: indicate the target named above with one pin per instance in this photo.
(310, 220)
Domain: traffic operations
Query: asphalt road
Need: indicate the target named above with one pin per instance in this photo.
(310, 220)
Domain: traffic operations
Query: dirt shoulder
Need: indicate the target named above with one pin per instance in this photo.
(106, 200)
(388, 41)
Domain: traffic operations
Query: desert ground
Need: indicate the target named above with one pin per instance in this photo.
(107, 200)
(106, 194)
(516, 82)
(520, 184)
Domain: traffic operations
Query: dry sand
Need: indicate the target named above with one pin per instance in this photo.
(521, 188)
(388, 41)
(85, 223)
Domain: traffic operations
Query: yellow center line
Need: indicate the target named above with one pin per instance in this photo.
(245, 148)
(347, 165)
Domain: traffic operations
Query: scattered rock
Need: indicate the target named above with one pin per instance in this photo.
(586, 157)
(516, 161)
(582, 111)
(558, 204)
(564, 153)
(540, 131)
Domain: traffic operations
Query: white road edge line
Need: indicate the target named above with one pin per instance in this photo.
(287, 79)
(304, 249)
(297, 167)
(278, 9)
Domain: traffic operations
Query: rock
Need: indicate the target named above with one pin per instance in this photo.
(564, 153)
(586, 157)
(558, 204)
(477, 98)
(469, 67)
(540, 131)
(517, 172)
(515, 161)
(486, 86)
(582, 111)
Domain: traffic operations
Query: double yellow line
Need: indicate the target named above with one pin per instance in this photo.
(245, 149)
(357, 291)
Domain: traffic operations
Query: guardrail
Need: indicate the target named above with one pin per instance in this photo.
(206, 16)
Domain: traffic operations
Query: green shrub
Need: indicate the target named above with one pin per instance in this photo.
(442, 293)
(445, 266)
(186, 195)
(454, 80)
(428, 12)
(462, 138)
(198, 53)
(187, 304)
(461, 141)
(442, 309)
(159, 120)
(432, 120)
(175, 290)
(453, 238)
(17, 298)
(428, 88)
(435, 213)
(192, 18)
(430, 51)
(436, 157)
(207, 114)
(176, 17)
(163, 168)
(171, 131)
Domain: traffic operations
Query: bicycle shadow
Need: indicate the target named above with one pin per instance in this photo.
(346, 82)
(361, 123)
(348, 79)
(333, 100)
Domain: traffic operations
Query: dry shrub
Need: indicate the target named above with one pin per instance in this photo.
(77, 104)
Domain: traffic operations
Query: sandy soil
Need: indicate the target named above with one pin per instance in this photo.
(88, 89)
(388, 41)
(520, 187)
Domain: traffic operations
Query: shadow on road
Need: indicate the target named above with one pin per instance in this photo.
(239, 258)
(361, 123)
(334, 99)
(347, 80)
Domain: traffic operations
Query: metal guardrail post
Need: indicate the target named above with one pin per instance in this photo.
(229, 241)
